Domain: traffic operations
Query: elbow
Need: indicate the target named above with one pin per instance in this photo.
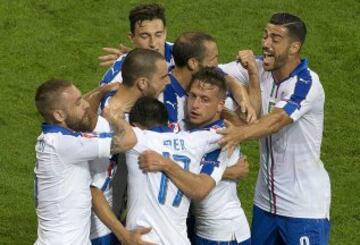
(203, 190)
(200, 195)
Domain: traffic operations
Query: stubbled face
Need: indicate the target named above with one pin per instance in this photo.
(76, 109)
(204, 104)
(159, 80)
(211, 55)
(150, 34)
(275, 44)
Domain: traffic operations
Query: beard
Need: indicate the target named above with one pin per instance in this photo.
(86, 124)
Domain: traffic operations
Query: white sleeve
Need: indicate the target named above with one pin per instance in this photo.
(206, 140)
(85, 147)
(235, 70)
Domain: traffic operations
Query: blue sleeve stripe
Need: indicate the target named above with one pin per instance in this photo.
(210, 161)
(302, 88)
(112, 71)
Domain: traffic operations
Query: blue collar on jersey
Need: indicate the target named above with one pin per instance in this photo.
(54, 128)
(168, 51)
(170, 99)
(300, 68)
(175, 84)
(217, 124)
(162, 129)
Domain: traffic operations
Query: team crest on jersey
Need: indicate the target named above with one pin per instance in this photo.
(215, 163)
(174, 126)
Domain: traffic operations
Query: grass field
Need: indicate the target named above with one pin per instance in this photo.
(42, 39)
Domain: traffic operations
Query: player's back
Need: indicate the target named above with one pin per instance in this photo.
(153, 200)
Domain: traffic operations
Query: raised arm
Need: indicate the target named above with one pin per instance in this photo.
(112, 54)
(240, 94)
(94, 97)
(124, 137)
(247, 60)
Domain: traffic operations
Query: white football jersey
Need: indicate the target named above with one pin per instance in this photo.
(153, 200)
(102, 171)
(219, 216)
(62, 180)
(113, 74)
(292, 180)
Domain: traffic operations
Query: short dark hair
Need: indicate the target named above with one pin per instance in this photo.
(190, 45)
(138, 63)
(292, 23)
(213, 76)
(146, 12)
(149, 113)
(47, 94)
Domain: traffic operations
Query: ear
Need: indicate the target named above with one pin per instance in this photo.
(295, 47)
(193, 64)
(131, 36)
(220, 106)
(142, 84)
(59, 116)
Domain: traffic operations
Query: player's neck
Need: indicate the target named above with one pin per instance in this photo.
(285, 71)
(183, 75)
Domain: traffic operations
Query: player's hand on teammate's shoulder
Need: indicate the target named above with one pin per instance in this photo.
(134, 237)
(112, 54)
(231, 137)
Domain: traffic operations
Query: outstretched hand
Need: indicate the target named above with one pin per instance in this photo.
(112, 54)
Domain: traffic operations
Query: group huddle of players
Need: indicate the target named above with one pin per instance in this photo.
(157, 123)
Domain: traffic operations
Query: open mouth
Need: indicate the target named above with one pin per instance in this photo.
(268, 57)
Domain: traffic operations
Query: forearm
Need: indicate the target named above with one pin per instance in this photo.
(194, 186)
(237, 90)
(104, 212)
(254, 92)
(266, 125)
(233, 117)
(124, 137)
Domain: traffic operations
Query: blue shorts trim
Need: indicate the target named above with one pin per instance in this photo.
(109, 239)
(203, 241)
(271, 229)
